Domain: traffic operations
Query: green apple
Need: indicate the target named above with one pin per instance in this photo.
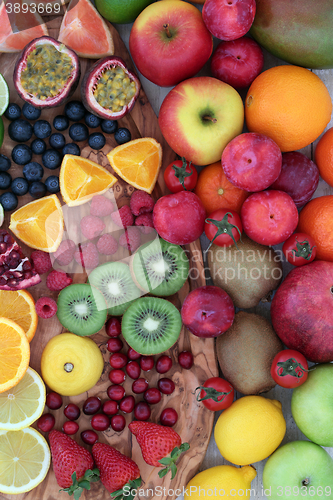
(312, 405)
(299, 469)
(199, 117)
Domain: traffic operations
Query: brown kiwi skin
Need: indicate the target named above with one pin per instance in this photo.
(245, 353)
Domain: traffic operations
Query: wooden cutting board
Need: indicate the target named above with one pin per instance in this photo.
(195, 422)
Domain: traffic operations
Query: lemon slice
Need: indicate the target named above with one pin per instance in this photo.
(24, 460)
(24, 403)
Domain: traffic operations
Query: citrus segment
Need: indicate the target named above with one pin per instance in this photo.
(14, 354)
(24, 460)
(21, 405)
(81, 179)
(84, 30)
(4, 95)
(19, 306)
(39, 223)
(138, 162)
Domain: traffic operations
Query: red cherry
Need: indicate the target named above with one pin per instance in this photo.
(115, 392)
(147, 363)
(113, 327)
(139, 386)
(168, 417)
(71, 411)
(185, 359)
(142, 411)
(89, 437)
(133, 369)
(100, 422)
(46, 422)
(166, 385)
(118, 423)
(163, 364)
(91, 405)
(118, 360)
(110, 407)
(133, 355)
(53, 401)
(127, 404)
(152, 396)
(70, 427)
(114, 345)
(117, 376)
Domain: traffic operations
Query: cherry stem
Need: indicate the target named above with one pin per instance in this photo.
(211, 393)
(223, 227)
(167, 31)
(180, 172)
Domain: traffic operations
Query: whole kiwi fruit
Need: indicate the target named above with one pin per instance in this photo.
(245, 353)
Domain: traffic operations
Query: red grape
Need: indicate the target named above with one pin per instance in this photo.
(71, 411)
(142, 411)
(133, 355)
(89, 437)
(117, 376)
(100, 422)
(139, 386)
(115, 392)
(133, 369)
(166, 385)
(185, 359)
(163, 364)
(118, 423)
(152, 396)
(70, 427)
(114, 345)
(113, 327)
(127, 404)
(110, 407)
(53, 401)
(168, 417)
(46, 422)
(118, 360)
(147, 363)
(91, 405)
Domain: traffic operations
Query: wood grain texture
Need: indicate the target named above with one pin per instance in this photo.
(195, 422)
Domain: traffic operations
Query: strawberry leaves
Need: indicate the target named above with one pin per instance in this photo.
(170, 461)
(127, 490)
(77, 487)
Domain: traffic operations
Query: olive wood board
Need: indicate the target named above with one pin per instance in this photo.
(195, 421)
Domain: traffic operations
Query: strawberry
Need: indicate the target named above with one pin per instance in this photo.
(160, 445)
(72, 464)
(118, 473)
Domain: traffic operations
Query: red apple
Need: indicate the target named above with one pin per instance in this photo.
(269, 217)
(199, 117)
(179, 218)
(237, 62)
(252, 161)
(169, 42)
(228, 19)
(301, 311)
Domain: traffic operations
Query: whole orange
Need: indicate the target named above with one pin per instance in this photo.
(289, 104)
(324, 156)
(215, 191)
(315, 219)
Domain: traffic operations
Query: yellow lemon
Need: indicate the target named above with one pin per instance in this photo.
(221, 481)
(250, 429)
(71, 364)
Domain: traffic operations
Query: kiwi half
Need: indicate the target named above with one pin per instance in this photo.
(159, 267)
(115, 281)
(151, 325)
(81, 309)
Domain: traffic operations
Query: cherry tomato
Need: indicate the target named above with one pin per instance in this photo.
(216, 394)
(180, 174)
(289, 369)
(223, 227)
(299, 249)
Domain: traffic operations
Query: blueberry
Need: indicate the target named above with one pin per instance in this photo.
(5, 163)
(52, 184)
(21, 154)
(38, 146)
(92, 121)
(75, 111)
(122, 135)
(30, 112)
(20, 130)
(37, 189)
(33, 171)
(9, 201)
(20, 186)
(96, 140)
(42, 129)
(5, 180)
(61, 122)
(57, 140)
(71, 149)
(78, 132)
(13, 111)
(109, 126)
(51, 159)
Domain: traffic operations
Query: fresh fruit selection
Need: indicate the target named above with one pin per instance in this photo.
(117, 344)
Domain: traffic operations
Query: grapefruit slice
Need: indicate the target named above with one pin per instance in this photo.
(84, 30)
(30, 26)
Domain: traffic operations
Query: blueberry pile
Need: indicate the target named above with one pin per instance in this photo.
(49, 145)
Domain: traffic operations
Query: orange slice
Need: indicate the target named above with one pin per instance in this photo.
(81, 179)
(14, 354)
(138, 162)
(39, 224)
(19, 306)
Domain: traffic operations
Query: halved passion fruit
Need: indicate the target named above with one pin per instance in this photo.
(109, 89)
(46, 73)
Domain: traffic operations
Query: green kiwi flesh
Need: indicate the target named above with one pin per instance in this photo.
(159, 267)
(151, 325)
(81, 309)
(115, 281)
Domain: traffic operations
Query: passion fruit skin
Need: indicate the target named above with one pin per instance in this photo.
(89, 84)
(67, 89)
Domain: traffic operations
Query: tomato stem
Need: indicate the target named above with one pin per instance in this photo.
(180, 172)
(223, 227)
(303, 249)
(211, 393)
(290, 367)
